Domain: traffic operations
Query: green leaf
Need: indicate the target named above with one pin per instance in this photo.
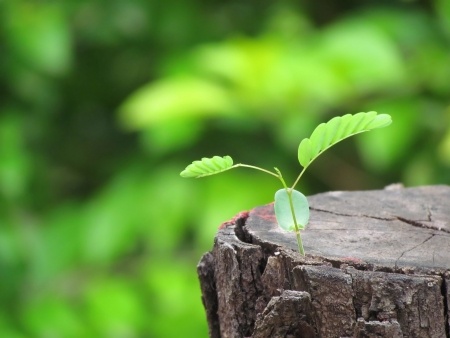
(283, 211)
(207, 166)
(337, 129)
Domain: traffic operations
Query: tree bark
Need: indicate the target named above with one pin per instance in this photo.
(377, 264)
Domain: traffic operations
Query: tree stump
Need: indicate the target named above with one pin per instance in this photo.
(377, 265)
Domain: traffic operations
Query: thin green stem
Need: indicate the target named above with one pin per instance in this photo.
(280, 177)
(294, 218)
(257, 168)
(289, 193)
(300, 243)
(299, 176)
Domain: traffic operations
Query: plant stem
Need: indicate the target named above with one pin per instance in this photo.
(291, 205)
(289, 193)
(298, 178)
(297, 230)
(299, 243)
(257, 168)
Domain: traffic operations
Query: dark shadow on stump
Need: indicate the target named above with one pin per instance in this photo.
(377, 264)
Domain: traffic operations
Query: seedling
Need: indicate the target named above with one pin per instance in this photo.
(291, 206)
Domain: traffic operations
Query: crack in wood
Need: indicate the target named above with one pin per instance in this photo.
(355, 307)
(420, 225)
(411, 249)
(416, 223)
(429, 214)
(444, 292)
(352, 215)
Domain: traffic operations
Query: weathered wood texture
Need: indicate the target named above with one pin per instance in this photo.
(377, 264)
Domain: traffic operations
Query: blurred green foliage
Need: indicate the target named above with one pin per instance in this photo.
(103, 103)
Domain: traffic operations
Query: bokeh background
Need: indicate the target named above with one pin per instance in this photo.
(103, 103)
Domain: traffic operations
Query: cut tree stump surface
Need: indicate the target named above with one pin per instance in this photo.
(388, 228)
(377, 265)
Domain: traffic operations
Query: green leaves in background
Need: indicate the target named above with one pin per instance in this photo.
(336, 130)
(39, 36)
(391, 144)
(283, 211)
(15, 166)
(92, 202)
(174, 98)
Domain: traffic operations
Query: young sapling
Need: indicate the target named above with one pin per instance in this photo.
(291, 206)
